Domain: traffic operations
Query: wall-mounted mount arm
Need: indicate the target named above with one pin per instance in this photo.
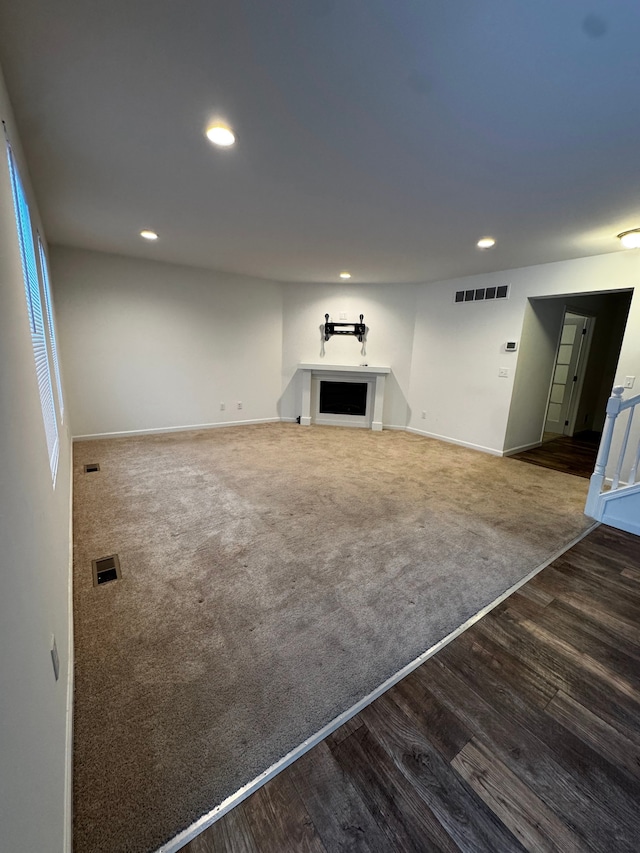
(357, 329)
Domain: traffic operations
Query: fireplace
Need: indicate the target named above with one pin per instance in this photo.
(342, 395)
(342, 398)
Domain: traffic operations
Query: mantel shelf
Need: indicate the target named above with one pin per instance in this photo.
(345, 368)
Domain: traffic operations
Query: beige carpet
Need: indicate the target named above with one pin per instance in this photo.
(272, 575)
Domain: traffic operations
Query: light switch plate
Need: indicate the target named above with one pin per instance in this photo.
(628, 381)
(343, 315)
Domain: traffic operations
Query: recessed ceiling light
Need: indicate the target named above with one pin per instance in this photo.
(149, 235)
(345, 275)
(486, 243)
(630, 239)
(220, 134)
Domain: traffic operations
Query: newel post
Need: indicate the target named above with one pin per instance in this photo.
(597, 478)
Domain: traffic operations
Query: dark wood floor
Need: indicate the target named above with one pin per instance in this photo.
(571, 454)
(523, 733)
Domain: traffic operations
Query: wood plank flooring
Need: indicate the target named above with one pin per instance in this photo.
(521, 734)
(570, 454)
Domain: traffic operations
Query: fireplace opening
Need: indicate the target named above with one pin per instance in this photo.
(343, 398)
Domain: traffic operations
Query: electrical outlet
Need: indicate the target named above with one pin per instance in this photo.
(423, 416)
(222, 407)
(503, 372)
(628, 381)
(55, 660)
(239, 404)
(343, 315)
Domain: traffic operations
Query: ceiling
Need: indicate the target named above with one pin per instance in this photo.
(384, 137)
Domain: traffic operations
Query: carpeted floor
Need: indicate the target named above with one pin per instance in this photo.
(272, 575)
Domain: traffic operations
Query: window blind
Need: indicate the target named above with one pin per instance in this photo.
(34, 309)
(48, 310)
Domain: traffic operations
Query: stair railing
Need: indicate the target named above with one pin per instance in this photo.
(615, 406)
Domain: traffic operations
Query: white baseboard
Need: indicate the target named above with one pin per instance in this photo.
(187, 427)
(234, 800)
(511, 450)
(492, 450)
(68, 771)
(161, 430)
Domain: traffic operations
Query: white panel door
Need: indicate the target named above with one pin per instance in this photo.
(565, 372)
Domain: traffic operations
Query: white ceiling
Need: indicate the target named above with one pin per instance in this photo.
(379, 136)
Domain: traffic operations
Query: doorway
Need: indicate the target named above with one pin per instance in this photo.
(564, 378)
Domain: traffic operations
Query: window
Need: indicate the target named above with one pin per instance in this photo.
(48, 310)
(34, 309)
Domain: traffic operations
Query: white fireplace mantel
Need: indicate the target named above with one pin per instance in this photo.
(354, 372)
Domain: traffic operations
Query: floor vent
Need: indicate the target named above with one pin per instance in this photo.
(106, 569)
(89, 469)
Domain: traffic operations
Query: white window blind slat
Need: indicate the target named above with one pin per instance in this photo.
(34, 309)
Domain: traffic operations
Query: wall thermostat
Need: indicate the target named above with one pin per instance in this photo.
(511, 346)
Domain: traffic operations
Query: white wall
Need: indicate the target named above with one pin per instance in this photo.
(458, 349)
(152, 346)
(34, 569)
(456, 356)
(155, 346)
(538, 345)
(389, 313)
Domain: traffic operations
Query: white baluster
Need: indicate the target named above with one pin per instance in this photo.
(597, 478)
(634, 467)
(623, 450)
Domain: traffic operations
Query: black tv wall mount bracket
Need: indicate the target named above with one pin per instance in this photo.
(357, 329)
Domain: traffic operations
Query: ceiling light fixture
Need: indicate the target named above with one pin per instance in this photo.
(486, 243)
(149, 235)
(345, 275)
(630, 239)
(220, 134)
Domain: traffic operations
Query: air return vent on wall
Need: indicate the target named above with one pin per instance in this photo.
(106, 569)
(482, 294)
(89, 469)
